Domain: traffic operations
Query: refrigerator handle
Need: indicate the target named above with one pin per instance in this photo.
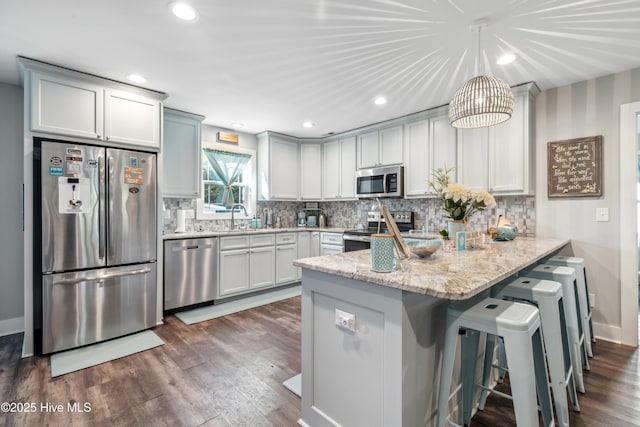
(73, 280)
(101, 209)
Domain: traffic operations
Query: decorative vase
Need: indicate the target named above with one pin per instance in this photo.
(453, 227)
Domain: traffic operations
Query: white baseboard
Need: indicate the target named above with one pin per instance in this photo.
(607, 332)
(11, 326)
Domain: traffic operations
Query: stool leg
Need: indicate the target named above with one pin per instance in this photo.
(581, 335)
(542, 381)
(567, 359)
(583, 306)
(586, 287)
(446, 372)
(489, 353)
(470, 342)
(519, 350)
(571, 317)
(502, 361)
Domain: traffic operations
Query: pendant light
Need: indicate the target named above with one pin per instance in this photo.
(482, 101)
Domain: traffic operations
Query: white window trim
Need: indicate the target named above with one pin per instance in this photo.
(251, 190)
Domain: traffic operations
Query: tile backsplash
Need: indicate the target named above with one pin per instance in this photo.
(519, 210)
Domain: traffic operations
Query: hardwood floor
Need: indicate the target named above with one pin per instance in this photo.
(229, 372)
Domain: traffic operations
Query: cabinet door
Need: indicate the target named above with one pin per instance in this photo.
(181, 147)
(262, 267)
(348, 168)
(234, 272)
(284, 170)
(310, 171)
(368, 151)
(330, 250)
(131, 118)
(473, 164)
(416, 172)
(391, 145)
(443, 145)
(331, 177)
(304, 249)
(508, 152)
(66, 106)
(286, 272)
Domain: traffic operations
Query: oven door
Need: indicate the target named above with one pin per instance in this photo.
(356, 242)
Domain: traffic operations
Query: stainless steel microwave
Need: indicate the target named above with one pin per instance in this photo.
(380, 182)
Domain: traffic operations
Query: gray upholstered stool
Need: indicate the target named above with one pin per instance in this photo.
(547, 296)
(583, 295)
(519, 325)
(566, 276)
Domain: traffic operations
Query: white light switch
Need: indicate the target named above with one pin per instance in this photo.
(602, 214)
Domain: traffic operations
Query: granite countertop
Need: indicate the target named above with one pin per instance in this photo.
(454, 275)
(249, 231)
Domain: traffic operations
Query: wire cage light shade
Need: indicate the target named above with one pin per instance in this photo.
(482, 101)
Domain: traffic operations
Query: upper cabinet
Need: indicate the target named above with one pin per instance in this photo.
(380, 147)
(70, 103)
(339, 169)
(500, 158)
(429, 144)
(182, 148)
(277, 167)
(310, 171)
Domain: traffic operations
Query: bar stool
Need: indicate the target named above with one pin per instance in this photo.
(547, 296)
(519, 325)
(583, 295)
(566, 276)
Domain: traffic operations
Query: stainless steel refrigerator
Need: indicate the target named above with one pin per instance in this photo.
(95, 243)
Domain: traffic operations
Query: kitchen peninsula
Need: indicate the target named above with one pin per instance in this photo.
(381, 366)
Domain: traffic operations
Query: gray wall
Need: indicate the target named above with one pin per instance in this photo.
(11, 246)
(585, 109)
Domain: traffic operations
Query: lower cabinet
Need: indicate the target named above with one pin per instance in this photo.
(234, 272)
(304, 249)
(331, 243)
(261, 267)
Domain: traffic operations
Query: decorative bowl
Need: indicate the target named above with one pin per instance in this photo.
(424, 248)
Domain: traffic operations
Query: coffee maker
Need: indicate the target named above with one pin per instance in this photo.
(302, 219)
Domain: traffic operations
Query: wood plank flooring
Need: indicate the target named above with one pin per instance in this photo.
(229, 372)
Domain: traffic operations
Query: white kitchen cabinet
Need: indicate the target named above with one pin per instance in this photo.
(380, 147)
(261, 267)
(182, 148)
(71, 103)
(304, 249)
(277, 168)
(234, 272)
(429, 144)
(500, 158)
(286, 272)
(339, 169)
(331, 243)
(310, 171)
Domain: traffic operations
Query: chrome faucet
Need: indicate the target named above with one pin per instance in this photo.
(236, 205)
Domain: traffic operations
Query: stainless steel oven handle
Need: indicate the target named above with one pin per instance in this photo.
(75, 280)
(356, 238)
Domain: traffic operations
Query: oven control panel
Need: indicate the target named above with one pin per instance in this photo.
(400, 217)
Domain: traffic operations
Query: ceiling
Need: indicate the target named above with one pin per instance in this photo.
(275, 64)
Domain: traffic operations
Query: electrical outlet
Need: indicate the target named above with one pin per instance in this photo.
(602, 214)
(592, 300)
(346, 320)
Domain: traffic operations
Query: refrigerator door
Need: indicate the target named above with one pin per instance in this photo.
(131, 207)
(85, 307)
(72, 205)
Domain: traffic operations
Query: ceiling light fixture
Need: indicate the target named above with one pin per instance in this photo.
(307, 124)
(183, 11)
(381, 100)
(136, 78)
(506, 59)
(482, 101)
(237, 125)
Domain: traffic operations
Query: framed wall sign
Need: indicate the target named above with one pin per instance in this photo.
(574, 167)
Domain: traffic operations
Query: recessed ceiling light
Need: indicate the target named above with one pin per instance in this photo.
(307, 124)
(380, 100)
(237, 125)
(183, 11)
(136, 78)
(506, 59)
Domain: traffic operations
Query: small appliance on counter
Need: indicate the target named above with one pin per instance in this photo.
(302, 219)
(311, 221)
(322, 220)
(181, 221)
(268, 217)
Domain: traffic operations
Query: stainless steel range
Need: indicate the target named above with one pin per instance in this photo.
(355, 240)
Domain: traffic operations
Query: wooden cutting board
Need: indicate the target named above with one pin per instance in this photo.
(403, 249)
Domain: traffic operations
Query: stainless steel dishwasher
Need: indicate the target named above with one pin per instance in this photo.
(190, 271)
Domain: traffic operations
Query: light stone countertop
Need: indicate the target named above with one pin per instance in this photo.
(454, 275)
(249, 231)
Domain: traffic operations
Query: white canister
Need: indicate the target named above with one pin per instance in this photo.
(181, 221)
(382, 258)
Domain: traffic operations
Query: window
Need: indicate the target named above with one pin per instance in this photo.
(228, 177)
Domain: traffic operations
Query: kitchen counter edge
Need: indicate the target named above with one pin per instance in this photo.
(205, 234)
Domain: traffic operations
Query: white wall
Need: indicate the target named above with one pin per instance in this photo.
(585, 109)
(11, 247)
